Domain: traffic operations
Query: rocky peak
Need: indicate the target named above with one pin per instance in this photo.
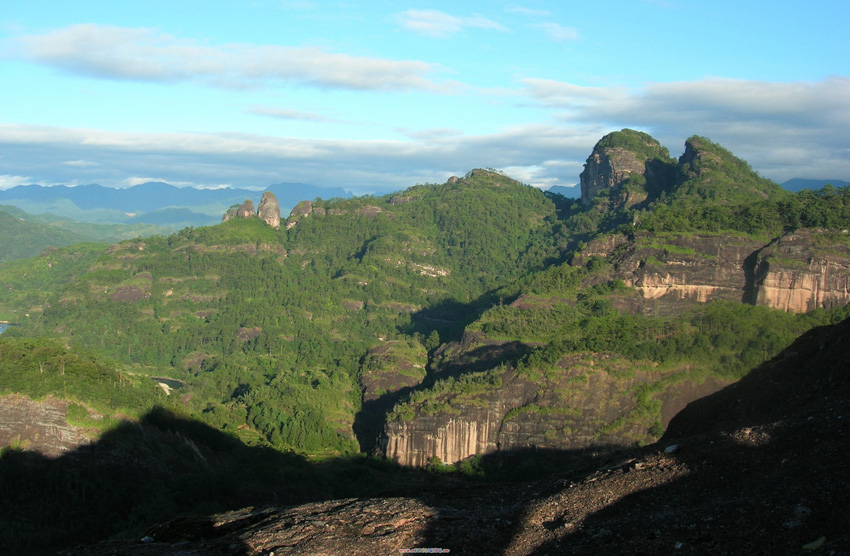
(269, 210)
(246, 209)
(628, 163)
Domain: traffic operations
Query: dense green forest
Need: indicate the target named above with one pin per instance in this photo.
(268, 335)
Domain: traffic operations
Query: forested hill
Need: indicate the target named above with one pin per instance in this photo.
(461, 317)
(20, 239)
(269, 326)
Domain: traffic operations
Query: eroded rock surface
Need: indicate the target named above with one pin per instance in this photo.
(39, 426)
(269, 210)
(799, 271)
(804, 270)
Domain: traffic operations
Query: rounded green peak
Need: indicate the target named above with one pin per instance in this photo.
(641, 144)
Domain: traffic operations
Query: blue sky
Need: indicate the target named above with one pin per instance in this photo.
(378, 96)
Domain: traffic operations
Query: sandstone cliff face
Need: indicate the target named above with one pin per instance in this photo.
(798, 271)
(607, 169)
(38, 426)
(578, 407)
(246, 209)
(804, 270)
(697, 267)
(467, 429)
(630, 165)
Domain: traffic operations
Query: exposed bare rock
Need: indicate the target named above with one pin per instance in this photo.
(607, 169)
(629, 165)
(576, 408)
(804, 270)
(269, 210)
(302, 209)
(246, 209)
(39, 426)
(370, 211)
(401, 199)
(230, 213)
(798, 271)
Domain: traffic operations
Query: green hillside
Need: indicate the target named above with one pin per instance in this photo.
(267, 327)
(311, 341)
(24, 235)
(20, 238)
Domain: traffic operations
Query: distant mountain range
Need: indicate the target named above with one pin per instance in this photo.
(798, 184)
(153, 202)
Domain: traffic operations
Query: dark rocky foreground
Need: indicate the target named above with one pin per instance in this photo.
(760, 467)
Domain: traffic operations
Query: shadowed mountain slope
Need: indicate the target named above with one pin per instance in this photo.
(748, 474)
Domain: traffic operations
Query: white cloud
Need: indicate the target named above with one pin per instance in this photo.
(434, 23)
(558, 32)
(149, 55)
(80, 163)
(523, 10)
(7, 181)
(285, 114)
(754, 119)
(782, 129)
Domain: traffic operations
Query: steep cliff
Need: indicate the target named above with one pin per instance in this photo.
(804, 270)
(710, 488)
(798, 271)
(673, 268)
(494, 393)
(629, 166)
(631, 169)
(589, 401)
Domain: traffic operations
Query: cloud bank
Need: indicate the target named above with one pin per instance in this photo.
(783, 130)
(142, 54)
(434, 23)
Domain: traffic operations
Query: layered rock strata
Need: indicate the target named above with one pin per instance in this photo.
(797, 272)
(804, 270)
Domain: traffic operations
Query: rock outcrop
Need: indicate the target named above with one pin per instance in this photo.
(246, 209)
(798, 272)
(631, 166)
(580, 405)
(39, 426)
(804, 270)
(268, 210)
